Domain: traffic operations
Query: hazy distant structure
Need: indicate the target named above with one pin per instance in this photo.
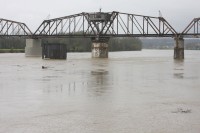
(48, 17)
(160, 14)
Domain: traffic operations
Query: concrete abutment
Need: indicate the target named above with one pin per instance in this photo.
(99, 49)
(179, 48)
(33, 48)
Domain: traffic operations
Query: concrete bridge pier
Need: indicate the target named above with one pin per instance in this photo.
(179, 48)
(33, 48)
(100, 48)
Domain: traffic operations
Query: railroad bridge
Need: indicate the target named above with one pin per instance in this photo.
(100, 27)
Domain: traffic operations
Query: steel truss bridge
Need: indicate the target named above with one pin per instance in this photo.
(13, 28)
(99, 25)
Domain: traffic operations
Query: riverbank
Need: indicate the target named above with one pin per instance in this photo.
(12, 50)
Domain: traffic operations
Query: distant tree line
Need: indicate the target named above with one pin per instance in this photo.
(84, 44)
(125, 44)
(168, 43)
(12, 43)
(76, 44)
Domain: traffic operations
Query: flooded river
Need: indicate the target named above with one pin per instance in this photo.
(130, 92)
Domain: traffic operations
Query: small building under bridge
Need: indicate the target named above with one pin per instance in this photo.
(54, 51)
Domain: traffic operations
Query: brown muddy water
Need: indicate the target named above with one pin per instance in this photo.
(130, 92)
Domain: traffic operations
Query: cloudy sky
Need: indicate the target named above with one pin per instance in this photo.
(32, 12)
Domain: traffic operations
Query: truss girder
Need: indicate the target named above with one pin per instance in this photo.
(193, 29)
(118, 24)
(114, 24)
(13, 28)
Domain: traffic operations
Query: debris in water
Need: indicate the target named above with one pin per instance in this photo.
(43, 67)
(181, 110)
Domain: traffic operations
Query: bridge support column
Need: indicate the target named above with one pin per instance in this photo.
(33, 47)
(179, 48)
(99, 49)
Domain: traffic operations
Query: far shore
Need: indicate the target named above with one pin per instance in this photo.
(12, 50)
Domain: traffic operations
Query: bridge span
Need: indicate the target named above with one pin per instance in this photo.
(100, 27)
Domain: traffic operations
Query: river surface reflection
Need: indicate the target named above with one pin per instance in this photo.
(141, 91)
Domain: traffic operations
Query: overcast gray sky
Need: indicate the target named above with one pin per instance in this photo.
(32, 12)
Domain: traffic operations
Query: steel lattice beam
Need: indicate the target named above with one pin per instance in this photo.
(100, 24)
(193, 29)
(13, 28)
(109, 24)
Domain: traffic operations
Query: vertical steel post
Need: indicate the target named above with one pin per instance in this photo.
(61, 26)
(56, 27)
(69, 25)
(83, 24)
(143, 25)
(74, 25)
(117, 23)
(132, 23)
(147, 25)
(127, 23)
(159, 26)
(49, 28)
